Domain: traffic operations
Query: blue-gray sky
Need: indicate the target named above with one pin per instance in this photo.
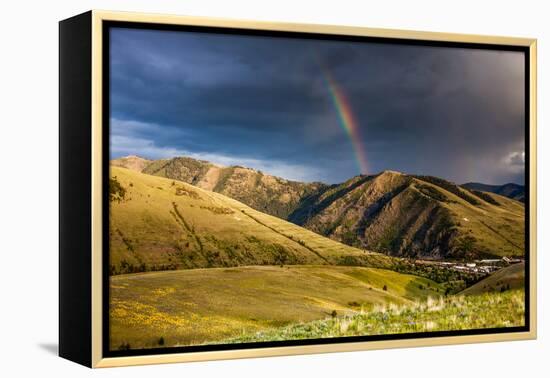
(263, 102)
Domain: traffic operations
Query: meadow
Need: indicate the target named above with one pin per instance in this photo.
(197, 306)
(190, 266)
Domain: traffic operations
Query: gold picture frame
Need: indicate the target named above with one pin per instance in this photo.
(92, 25)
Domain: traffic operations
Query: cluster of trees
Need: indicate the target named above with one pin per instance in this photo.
(126, 345)
(116, 191)
(436, 273)
(432, 192)
(484, 196)
(125, 267)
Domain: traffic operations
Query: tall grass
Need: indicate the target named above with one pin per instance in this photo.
(489, 310)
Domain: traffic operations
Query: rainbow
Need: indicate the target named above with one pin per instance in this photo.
(347, 120)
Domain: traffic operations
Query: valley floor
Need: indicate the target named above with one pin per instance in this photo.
(260, 303)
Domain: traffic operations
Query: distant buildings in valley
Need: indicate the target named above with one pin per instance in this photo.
(484, 266)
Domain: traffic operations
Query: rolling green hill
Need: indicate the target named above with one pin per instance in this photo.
(266, 275)
(196, 306)
(415, 216)
(163, 224)
(509, 278)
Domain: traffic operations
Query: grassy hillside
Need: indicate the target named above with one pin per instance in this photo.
(416, 216)
(132, 162)
(210, 305)
(162, 224)
(509, 278)
(271, 278)
(489, 310)
(393, 213)
(266, 193)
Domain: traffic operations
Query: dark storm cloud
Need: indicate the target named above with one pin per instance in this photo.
(263, 101)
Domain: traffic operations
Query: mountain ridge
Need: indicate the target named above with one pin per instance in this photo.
(138, 163)
(416, 216)
(160, 224)
(510, 190)
(391, 212)
(267, 193)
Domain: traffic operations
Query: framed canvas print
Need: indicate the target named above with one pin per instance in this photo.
(234, 189)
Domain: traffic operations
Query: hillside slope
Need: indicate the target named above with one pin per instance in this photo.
(510, 190)
(486, 311)
(133, 162)
(393, 213)
(508, 278)
(268, 194)
(415, 216)
(162, 224)
(195, 306)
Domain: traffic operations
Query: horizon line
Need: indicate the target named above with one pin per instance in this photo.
(315, 181)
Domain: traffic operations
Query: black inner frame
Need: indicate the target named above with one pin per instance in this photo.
(106, 27)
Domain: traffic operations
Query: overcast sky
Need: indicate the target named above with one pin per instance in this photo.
(263, 102)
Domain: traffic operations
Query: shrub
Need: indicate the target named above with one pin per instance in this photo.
(218, 210)
(333, 313)
(385, 288)
(116, 191)
(182, 191)
(124, 346)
